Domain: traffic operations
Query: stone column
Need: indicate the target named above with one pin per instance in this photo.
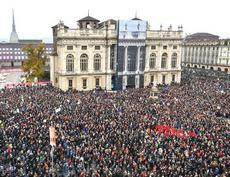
(147, 55)
(126, 59)
(124, 82)
(216, 54)
(115, 58)
(138, 59)
(108, 58)
(198, 55)
(137, 81)
(108, 82)
(194, 54)
(169, 60)
(202, 55)
(206, 56)
(137, 77)
(188, 55)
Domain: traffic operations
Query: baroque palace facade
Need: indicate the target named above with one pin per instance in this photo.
(114, 55)
(206, 51)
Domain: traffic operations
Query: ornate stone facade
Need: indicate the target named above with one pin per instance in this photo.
(165, 47)
(92, 55)
(224, 55)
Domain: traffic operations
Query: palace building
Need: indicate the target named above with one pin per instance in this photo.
(224, 55)
(114, 55)
(206, 51)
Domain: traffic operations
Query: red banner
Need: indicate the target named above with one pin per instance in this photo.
(171, 131)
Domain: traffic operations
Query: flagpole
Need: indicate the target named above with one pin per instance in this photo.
(52, 143)
(52, 160)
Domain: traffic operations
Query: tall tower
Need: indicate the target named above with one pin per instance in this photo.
(13, 35)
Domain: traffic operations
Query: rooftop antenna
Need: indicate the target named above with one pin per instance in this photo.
(88, 12)
(136, 14)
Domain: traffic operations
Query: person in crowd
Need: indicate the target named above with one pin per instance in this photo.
(185, 132)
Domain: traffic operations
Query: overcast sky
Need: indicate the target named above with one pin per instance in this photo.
(34, 18)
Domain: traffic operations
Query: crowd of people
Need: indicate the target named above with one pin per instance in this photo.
(114, 134)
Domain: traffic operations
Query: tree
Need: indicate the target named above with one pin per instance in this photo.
(35, 63)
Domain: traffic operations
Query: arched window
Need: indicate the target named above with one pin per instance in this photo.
(174, 60)
(70, 63)
(152, 61)
(97, 62)
(164, 60)
(84, 62)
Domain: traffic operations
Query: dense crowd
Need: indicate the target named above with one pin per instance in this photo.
(113, 134)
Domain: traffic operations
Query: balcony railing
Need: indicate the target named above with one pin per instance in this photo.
(89, 72)
(86, 33)
(165, 34)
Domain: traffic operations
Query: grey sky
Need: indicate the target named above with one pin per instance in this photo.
(35, 18)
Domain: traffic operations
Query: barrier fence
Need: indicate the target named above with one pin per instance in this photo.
(28, 84)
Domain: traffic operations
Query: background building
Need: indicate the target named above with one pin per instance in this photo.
(224, 55)
(206, 51)
(114, 55)
(11, 53)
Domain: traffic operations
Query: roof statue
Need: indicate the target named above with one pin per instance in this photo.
(135, 18)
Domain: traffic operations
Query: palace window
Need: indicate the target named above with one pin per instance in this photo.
(173, 78)
(174, 60)
(70, 63)
(69, 47)
(97, 82)
(164, 60)
(165, 47)
(152, 78)
(175, 47)
(70, 85)
(84, 62)
(97, 47)
(152, 61)
(84, 47)
(97, 62)
(153, 47)
(163, 79)
(84, 83)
